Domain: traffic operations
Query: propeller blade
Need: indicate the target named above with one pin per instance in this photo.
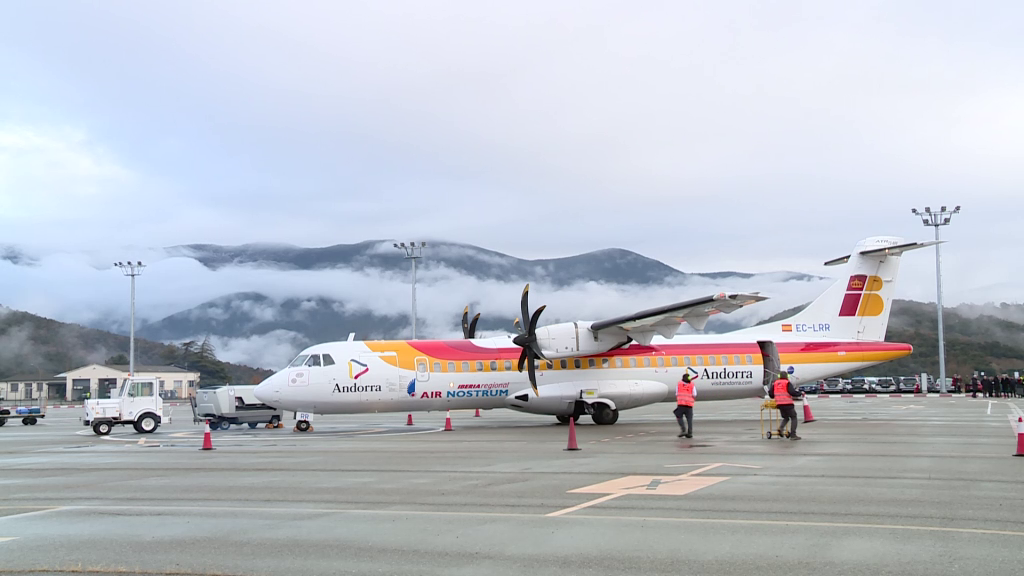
(519, 327)
(532, 331)
(465, 323)
(472, 326)
(524, 304)
(533, 374)
(522, 359)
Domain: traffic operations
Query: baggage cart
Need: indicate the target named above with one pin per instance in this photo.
(774, 420)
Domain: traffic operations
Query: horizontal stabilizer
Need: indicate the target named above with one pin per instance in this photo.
(888, 251)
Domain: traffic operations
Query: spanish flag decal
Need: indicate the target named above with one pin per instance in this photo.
(787, 327)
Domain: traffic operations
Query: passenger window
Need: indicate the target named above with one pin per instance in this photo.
(750, 359)
(632, 362)
(686, 360)
(465, 366)
(494, 366)
(647, 362)
(736, 360)
(563, 364)
(508, 364)
(711, 360)
(605, 362)
(661, 362)
(618, 362)
(437, 366)
(451, 366)
(725, 360)
(675, 361)
(328, 361)
(551, 365)
(700, 360)
(314, 360)
(479, 366)
(421, 366)
(591, 363)
(576, 363)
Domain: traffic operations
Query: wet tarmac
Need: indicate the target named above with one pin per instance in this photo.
(877, 486)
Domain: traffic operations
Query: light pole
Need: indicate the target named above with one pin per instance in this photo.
(414, 253)
(935, 220)
(131, 270)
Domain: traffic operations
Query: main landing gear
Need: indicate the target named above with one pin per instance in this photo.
(602, 414)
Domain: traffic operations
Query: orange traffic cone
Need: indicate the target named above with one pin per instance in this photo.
(808, 417)
(207, 439)
(408, 421)
(448, 422)
(477, 415)
(1020, 437)
(572, 435)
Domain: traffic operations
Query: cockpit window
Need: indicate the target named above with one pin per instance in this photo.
(328, 361)
(314, 360)
(299, 360)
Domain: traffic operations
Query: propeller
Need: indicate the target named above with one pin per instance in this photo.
(469, 328)
(527, 339)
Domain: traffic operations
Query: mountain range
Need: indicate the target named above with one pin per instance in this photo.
(261, 303)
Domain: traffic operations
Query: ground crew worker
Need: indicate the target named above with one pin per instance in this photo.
(783, 392)
(686, 395)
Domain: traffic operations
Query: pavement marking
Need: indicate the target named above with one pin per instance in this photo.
(293, 510)
(24, 514)
(662, 485)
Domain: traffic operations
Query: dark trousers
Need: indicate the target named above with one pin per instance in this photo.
(788, 413)
(684, 412)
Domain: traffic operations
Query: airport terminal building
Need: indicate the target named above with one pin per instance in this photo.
(96, 381)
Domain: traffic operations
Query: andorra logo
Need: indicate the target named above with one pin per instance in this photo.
(356, 369)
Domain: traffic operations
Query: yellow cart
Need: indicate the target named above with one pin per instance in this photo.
(773, 420)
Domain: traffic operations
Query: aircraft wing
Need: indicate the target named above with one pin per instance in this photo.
(665, 320)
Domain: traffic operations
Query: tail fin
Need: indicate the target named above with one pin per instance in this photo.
(857, 306)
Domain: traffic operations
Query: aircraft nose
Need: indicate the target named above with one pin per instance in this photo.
(269, 391)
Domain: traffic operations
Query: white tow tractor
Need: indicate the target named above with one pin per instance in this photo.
(138, 404)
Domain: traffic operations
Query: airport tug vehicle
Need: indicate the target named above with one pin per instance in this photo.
(139, 404)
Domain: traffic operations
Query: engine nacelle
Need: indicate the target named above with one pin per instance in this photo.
(571, 339)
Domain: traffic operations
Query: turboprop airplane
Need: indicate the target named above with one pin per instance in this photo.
(600, 368)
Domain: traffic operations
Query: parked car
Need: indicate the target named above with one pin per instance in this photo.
(860, 385)
(884, 385)
(810, 387)
(908, 384)
(833, 386)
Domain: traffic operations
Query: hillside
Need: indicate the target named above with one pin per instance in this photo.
(982, 338)
(32, 344)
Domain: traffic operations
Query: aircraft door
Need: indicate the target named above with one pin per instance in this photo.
(377, 370)
(770, 361)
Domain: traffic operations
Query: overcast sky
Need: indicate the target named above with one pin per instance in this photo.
(750, 136)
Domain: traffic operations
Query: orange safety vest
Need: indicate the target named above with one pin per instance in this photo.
(782, 396)
(684, 393)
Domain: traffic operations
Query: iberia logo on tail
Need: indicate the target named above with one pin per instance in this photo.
(862, 298)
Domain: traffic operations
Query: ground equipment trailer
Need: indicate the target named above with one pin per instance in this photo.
(227, 405)
(139, 404)
(29, 414)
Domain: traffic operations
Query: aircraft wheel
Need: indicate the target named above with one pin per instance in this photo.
(274, 421)
(302, 426)
(604, 415)
(565, 419)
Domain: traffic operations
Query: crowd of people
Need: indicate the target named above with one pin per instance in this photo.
(997, 386)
